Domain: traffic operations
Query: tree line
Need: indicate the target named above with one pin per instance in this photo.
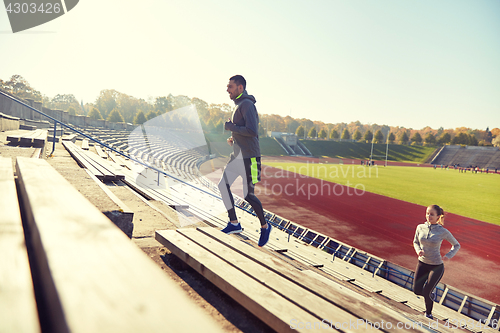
(119, 107)
(432, 137)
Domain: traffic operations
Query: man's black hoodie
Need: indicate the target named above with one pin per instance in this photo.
(244, 126)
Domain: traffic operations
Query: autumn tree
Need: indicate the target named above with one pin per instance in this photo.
(162, 104)
(430, 139)
(115, 116)
(345, 135)
(488, 136)
(150, 115)
(472, 140)
(180, 101)
(445, 138)
(128, 105)
(95, 113)
(300, 131)
(392, 137)
(460, 139)
(64, 102)
(416, 137)
(306, 123)
(312, 132)
(495, 132)
(19, 87)
(368, 136)
(496, 141)
(291, 124)
(106, 101)
(140, 118)
(334, 134)
(202, 108)
(379, 137)
(322, 134)
(403, 138)
(357, 135)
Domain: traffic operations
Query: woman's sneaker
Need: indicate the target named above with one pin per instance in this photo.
(232, 229)
(264, 235)
(429, 316)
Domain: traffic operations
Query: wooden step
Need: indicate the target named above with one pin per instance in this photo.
(269, 306)
(17, 299)
(85, 144)
(93, 278)
(100, 152)
(351, 303)
(213, 253)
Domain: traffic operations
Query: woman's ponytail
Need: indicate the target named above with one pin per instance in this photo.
(440, 213)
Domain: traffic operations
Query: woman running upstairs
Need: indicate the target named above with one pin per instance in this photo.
(427, 244)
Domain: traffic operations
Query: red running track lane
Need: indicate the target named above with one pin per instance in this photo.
(385, 227)
(382, 226)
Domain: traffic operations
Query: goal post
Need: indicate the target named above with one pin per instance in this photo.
(386, 150)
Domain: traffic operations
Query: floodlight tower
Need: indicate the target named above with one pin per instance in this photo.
(371, 153)
(387, 146)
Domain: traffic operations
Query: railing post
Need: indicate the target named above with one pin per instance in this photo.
(54, 139)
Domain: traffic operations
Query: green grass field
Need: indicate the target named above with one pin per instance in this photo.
(359, 150)
(218, 145)
(472, 195)
(356, 150)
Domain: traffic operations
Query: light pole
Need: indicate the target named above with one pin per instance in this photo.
(387, 146)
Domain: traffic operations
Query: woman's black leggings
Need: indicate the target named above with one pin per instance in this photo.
(426, 279)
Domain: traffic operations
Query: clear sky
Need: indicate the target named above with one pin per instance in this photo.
(400, 63)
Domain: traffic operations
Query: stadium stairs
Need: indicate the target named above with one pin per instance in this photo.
(482, 157)
(299, 150)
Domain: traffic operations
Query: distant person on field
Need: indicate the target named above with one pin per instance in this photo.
(427, 244)
(245, 159)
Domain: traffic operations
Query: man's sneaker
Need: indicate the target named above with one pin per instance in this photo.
(433, 296)
(232, 229)
(264, 235)
(429, 316)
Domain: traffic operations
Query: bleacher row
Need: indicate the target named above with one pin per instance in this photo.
(67, 268)
(164, 151)
(347, 264)
(482, 157)
(317, 251)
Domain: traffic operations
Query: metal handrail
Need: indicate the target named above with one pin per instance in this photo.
(105, 145)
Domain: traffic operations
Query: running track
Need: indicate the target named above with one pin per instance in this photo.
(382, 226)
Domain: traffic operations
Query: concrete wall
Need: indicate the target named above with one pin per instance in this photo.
(10, 108)
(37, 123)
(8, 123)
